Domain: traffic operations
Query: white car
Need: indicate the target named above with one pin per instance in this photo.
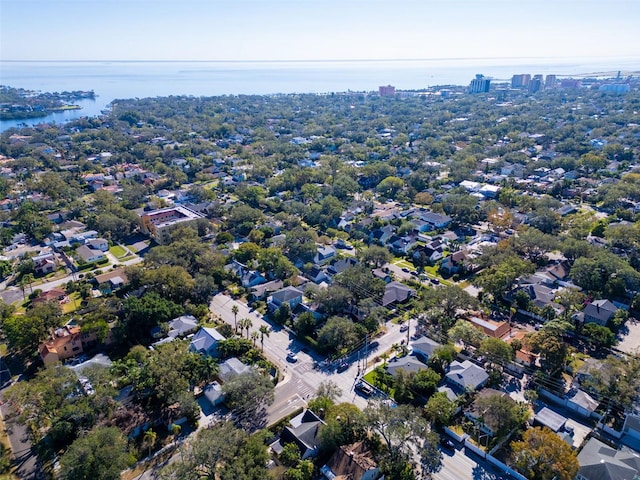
(404, 327)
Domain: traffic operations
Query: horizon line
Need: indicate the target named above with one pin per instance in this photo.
(337, 60)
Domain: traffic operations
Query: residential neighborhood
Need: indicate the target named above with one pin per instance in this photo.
(295, 274)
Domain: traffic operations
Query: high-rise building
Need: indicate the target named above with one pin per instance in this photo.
(521, 80)
(551, 81)
(479, 84)
(387, 91)
(536, 84)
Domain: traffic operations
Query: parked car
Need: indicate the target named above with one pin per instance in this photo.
(292, 357)
(435, 281)
(364, 389)
(448, 444)
(404, 327)
(342, 367)
(405, 270)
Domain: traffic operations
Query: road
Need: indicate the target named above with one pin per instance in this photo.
(301, 379)
(25, 459)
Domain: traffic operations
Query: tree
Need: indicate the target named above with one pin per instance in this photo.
(448, 298)
(496, 350)
(150, 439)
(329, 389)
(549, 343)
(617, 381)
(425, 381)
(501, 413)
(264, 332)
(235, 311)
(339, 334)
(405, 436)
(101, 453)
(248, 395)
(543, 455)
(599, 335)
(465, 333)
(222, 452)
(246, 324)
(290, 455)
(439, 409)
(375, 256)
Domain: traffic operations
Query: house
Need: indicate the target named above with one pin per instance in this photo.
(205, 342)
(550, 419)
(582, 403)
(232, 367)
(396, 292)
(382, 235)
(66, 342)
(213, 393)
(180, 326)
(491, 328)
(324, 254)
(341, 265)
(401, 245)
(466, 376)
(289, 295)
(302, 431)
(248, 278)
(424, 348)
(111, 281)
(598, 311)
(55, 294)
(425, 254)
(383, 274)
(317, 275)
(455, 263)
(598, 461)
(435, 220)
(352, 462)
(45, 263)
(98, 244)
(89, 255)
(410, 364)
(260, 291)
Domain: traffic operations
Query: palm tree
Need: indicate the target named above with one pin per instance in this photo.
(235, 311)
(150, 439)
(247, 325)
(254, 337)
(264, 332)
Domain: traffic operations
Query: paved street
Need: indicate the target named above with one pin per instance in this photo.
(303, 377)
(25, 460)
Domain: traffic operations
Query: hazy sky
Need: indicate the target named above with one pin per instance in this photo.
(316, 29)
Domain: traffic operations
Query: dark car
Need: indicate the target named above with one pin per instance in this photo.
(292, 357)
(342, 367)
(448, 444)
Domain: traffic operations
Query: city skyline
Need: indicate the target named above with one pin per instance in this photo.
(327, 30)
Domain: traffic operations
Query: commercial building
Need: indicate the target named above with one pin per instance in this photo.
(479, 84)
(387, 91)
(159, 223)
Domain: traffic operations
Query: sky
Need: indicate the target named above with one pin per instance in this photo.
(265, 30)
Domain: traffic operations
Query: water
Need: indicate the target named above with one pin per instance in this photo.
(112, 80)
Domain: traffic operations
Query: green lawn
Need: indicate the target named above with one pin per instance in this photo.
(118, 251)
(72, 304)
